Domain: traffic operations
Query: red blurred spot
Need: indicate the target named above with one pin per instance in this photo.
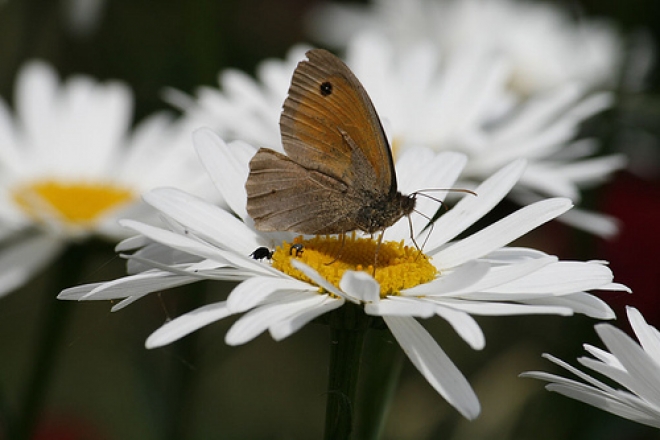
(633, 255)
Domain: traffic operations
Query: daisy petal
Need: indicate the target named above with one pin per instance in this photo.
(296, 321)
(435, 366)
(360, 285)
(253, 291)
(204, 219)
(579, 302)
(187, 323)
(133, 285)
(641, 368)
(256, 321)
(227, 166)
(399, 306)
(560, 278)
(20, 261)
(470, 208)
(465, 325)
(463, 277)
(322, 282)
(502, 232)
(647, 335)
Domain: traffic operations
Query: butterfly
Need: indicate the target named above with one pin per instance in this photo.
(338, 174)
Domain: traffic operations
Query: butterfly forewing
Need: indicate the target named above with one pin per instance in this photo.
(338, 175)
(325, 106)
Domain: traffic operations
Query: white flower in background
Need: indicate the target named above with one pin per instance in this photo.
(634, 366)
(454, 280)
(458, 103)
(69, 165)
(83, 17)
(243, 109)
(545, 45)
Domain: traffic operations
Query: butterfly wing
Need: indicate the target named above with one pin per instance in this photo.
(338, 156)
(328, 119)
(285, 196)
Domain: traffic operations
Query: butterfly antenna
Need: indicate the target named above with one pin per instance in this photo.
(429, 225)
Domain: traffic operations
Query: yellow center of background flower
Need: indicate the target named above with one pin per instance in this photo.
(398, 267)
(79, 204)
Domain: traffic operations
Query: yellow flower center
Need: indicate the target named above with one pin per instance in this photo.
(77, 204)
(398, 267)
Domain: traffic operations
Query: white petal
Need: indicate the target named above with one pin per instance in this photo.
(465, 325)
(132, 243)
(208, 221)
(584, 376)
(606, 402)
(227, 166)
(20, 261)
(502, 275)
(597, 223)
(435, 366)
(642, 369)
(187, 323)
(253, 291)
(487, 308)
(172, 239)
(132, 285)
(296, 321)
(594, 170)
(439, 171)
(648, 336)
(322, 282)
(463, 277)
(360, 285)
(501, 232)
(560, 278)
(77, 292)
(616, 402)
(400, 306)
(580, 302)
(512, 254)
(256, 321)
(471, 208)
(196, 247)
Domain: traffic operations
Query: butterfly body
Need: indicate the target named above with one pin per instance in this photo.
(338, 174)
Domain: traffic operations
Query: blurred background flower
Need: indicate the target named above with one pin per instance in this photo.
(546, 44)
(70, 168)
(104, 375)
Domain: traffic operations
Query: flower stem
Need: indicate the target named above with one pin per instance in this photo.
(348, 325)
(53, 328)
(377, 388)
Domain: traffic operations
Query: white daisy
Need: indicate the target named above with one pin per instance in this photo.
(455, 280)
(69, 165)
(545, 45)
(459, 103)
(634, 366)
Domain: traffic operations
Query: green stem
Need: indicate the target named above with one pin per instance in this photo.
(348, 325)
(182, 378)
(53, 328)
(378, 387)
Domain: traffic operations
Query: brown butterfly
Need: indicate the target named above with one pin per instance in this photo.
(338, 174)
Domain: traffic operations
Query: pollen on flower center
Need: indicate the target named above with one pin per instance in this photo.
(398, 267)
(79, 203)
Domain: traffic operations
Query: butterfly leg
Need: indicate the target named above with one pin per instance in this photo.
(341, 249)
